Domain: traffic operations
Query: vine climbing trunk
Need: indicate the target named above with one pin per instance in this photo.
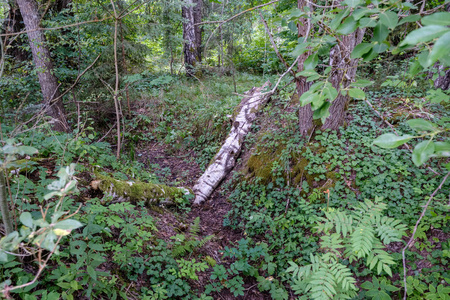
(43, 63)
(225, 159)
(192, 35)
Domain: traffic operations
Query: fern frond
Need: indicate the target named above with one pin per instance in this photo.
(343, 276)
(322, 284)
(362, 241)
(195, 227)
(389, 229)
(332, 243)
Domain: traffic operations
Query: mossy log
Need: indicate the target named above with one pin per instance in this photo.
(151, 193)
(225, 159)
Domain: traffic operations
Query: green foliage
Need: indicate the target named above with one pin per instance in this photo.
(353, 235)
(184, 244)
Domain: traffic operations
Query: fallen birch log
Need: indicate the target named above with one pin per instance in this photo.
(225, 159)
(152, 194)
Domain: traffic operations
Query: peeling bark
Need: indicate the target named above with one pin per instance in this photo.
(225, 159)
(192, 35)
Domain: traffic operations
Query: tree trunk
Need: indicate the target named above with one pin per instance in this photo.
(43, 64)
(305, 114)
(343, 72)
(192, 35)
(225, 159)
(443, 82)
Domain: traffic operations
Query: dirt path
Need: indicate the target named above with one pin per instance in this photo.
(182, 168)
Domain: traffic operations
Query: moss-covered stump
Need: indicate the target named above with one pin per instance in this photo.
(151, 193)
(265, 164)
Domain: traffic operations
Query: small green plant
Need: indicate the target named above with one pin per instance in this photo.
(188, 243)
(360, 233)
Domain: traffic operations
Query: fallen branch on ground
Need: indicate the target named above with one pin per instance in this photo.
(225, 159)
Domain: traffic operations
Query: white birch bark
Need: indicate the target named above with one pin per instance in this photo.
(225, 159)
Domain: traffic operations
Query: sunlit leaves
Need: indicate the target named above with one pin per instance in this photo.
(357, 94)
(390, 140)
(422, 152)
(440, 48)
(439, 18)
(424, 34)
(360, 50)
(389, 19)
(422, 125)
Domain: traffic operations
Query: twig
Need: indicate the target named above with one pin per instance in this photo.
(116, 88)
(273, 43)
(6, 290)
(411, 240)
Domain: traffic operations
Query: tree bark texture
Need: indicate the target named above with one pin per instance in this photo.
(443, 82)
(225, 159)
(192, 34)
(305, 113)
(44, 67)
(343, 72)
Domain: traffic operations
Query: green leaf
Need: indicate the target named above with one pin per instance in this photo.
(441, 149)
(357, 93)
(22, 150)
(323, 112)
(348, 26)
(308, 97)
(439, 18)
(440, 48)
(361, 83)
(307, 73)
(424, 34)
(329, 91)
(300, 49)
(338, 18)
(380, 33)
(359, 13)
(352, 3)
(408, 19)
(380, 48)
(68, 225)
(26, 219)
(389, 19)
(90, 270)
(422, 152)
(367, 22)
(311, 62)
(390, 140)
(360, 50)
(421, 125)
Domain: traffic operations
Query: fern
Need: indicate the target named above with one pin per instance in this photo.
(362, 233)
(184, 244)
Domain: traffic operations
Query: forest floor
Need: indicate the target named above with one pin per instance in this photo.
(184, 169)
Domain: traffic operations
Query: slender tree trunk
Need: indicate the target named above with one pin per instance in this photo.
(4, 207)
(192, 35)
(44, 67)
(342, 74)
(305, 114)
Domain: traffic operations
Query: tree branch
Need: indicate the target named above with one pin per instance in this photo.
(411, 240)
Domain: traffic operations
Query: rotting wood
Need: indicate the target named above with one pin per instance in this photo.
(151, 193)
(225, 159)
